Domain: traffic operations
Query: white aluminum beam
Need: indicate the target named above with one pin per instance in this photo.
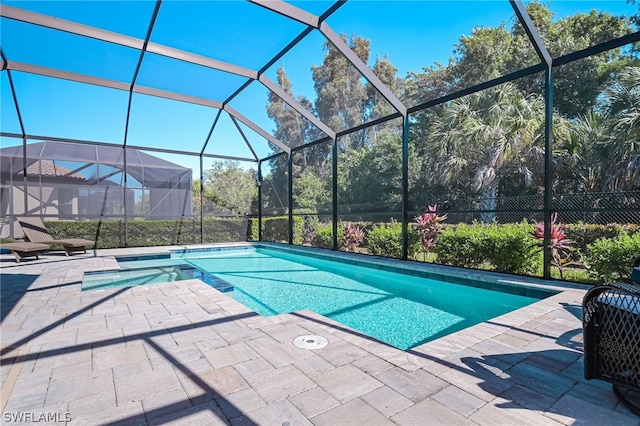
(66, 75)
(232, 112)
(176, 96)
(69, 27)
(181, 55)
(279, 91)
(244, 137)
(289, 11)
(121, 39)
(362, 68)
(96, 81)
(119, 146)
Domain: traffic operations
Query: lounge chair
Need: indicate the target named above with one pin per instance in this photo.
(611, 335)
(36, 232)
(24, 249)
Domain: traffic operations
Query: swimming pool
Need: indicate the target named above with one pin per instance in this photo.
(399, 309)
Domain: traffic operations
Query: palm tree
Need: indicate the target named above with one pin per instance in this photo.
(619, 151)
(484, 137)
(575, 168)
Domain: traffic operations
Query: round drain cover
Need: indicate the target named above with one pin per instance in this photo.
(310, 342)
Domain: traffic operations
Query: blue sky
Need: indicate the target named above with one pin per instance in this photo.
(414, 34)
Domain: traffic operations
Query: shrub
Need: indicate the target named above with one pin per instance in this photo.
(323, 237)
(215, 230)
(461, 245)
(310, 225)
(585, 234)
(430, 225)
(142, 233)
(385, 239)
(509, 249)
(352, 237)
(611, 259)
(506, 248)
(298, 230)
(277, 229)
(252, 229)
(561, 247)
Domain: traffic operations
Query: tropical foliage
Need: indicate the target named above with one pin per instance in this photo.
(560, 247)
(483, 152)
(429, 224)
(352, 237)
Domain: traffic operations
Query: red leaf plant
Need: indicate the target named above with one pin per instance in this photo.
(352, 237)
(560, 246)
(429, 224)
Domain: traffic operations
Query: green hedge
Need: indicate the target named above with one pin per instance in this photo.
(585, 234)
(611, 259)
(323, 237)
(276, 229)
(143, 233)
(504, 248)
(252, 229)
(385, 239)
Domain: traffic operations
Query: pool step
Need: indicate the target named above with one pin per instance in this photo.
(215, 282)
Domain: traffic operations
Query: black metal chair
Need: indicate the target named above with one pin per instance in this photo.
(611, 332)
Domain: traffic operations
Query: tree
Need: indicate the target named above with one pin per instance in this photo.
(230, 188)
(576, 169)
(491, 52)
(291, 127)
(370, 179)
(341, 98)
(578, 83)
(484, 137)
(311, 193)
(385, 71)
(294, 130)
(482, 56)
(342, 101)
(619, 151)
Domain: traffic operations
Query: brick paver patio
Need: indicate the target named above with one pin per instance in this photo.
(184, 353)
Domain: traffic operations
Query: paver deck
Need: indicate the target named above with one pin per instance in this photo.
(184, 353)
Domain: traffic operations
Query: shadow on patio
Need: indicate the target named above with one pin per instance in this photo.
(16, 354)
(12, 290)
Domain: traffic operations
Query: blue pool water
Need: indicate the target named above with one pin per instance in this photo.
(133, 277)
(401, 310)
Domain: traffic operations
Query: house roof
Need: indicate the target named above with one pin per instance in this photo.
(47, 168)
(78, 162)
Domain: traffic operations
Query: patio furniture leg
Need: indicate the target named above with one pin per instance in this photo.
(624, 394)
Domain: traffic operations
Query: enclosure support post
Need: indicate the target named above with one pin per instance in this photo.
(259, 183)
(405, 187)
(545, 57)
(334, 193)
(201, 200)
(290, 164)
(24, 177)
(124, 197)
(548, 169)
